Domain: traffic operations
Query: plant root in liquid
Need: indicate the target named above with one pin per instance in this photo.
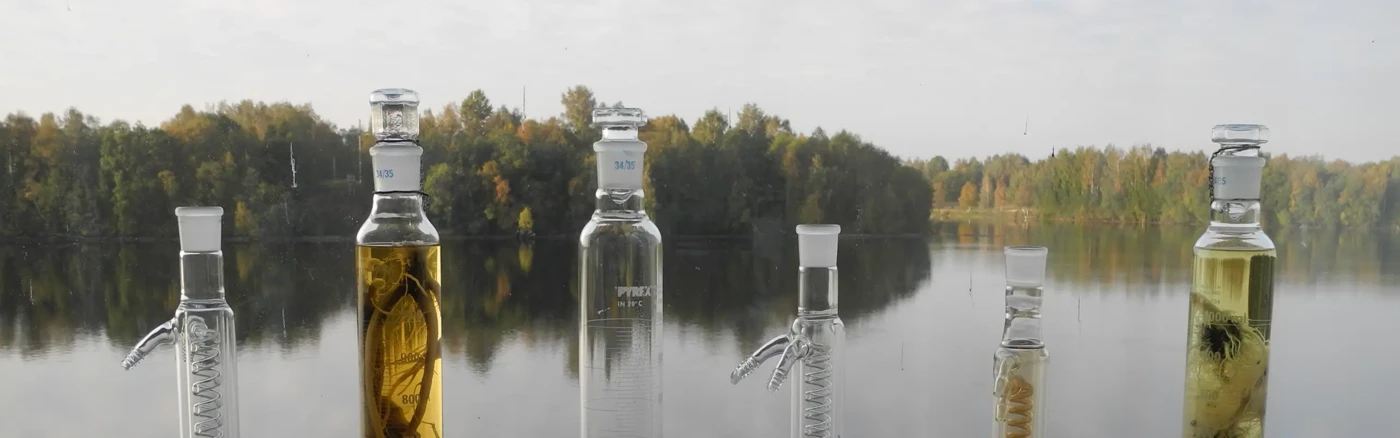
(400, 341)
(1228, 346)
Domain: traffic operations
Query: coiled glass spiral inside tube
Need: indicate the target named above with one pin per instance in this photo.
(1020, 360)
(205, 398)
(1020, 374)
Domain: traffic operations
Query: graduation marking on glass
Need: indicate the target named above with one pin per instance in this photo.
(814, 342)
(1231, 300)
(620, 313)
(398, 281)
(202, 331)
(1018, 367)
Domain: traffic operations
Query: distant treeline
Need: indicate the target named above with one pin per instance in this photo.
(1149, 185)
(279, 170)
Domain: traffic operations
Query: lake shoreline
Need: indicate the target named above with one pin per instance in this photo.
(1031, 215)
(447, 238)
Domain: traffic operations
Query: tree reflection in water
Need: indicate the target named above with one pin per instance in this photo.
(497, 292)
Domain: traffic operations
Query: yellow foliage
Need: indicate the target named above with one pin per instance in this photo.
(969, 195)
(243, 222)
(525, 254)
(525, 221)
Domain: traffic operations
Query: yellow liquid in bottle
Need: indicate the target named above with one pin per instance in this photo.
(1020, 407)
(1227, 359)
(400, 341)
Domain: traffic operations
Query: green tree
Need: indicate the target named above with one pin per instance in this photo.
(710, 127)
(285, 172)
(579, 103)
(476, 109)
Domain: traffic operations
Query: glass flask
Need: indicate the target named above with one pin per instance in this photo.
(1018, 367)
(814, 343)
(620, 317)
(202, 331)
(398, 281)
(1232, 294)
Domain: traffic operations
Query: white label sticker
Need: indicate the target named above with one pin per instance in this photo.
(1237, 178)
(396, 173)
(620, 169)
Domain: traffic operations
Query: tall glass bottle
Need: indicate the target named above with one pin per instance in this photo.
(202, 331)
(1018, 367)
(1227, 357)
(620, 298)
(814, 344)
(398, 280)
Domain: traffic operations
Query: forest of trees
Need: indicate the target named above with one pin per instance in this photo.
(279, 170)
(1143, 184)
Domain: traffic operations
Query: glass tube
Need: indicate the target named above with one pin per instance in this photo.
(202, 331)
(398, 283)
(620, 309)
(1019, 364)
(814, 346)
(1231, 301)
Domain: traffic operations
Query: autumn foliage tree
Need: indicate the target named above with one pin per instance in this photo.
(969, 195)
(1144, 184)
(281, 171)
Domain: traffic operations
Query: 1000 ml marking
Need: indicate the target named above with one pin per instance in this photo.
(630, 296)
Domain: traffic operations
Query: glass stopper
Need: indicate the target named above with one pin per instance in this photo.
(618, 116)
(1025, 265)
(393, 114)
(1240, 134)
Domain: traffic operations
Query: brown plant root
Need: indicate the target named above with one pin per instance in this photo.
(1234, 365)
(382, 414)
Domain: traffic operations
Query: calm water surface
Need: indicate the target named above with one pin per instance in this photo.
(923, 319)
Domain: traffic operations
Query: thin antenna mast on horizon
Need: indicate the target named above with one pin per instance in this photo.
(359, 149)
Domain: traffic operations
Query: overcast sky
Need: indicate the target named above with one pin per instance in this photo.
(919, 77)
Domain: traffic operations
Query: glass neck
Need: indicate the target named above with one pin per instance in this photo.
(621, 203)
(816, 292)
(397, 205)
(1234, 215)
(1022, 318)
(619, 133)
(201, 276)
